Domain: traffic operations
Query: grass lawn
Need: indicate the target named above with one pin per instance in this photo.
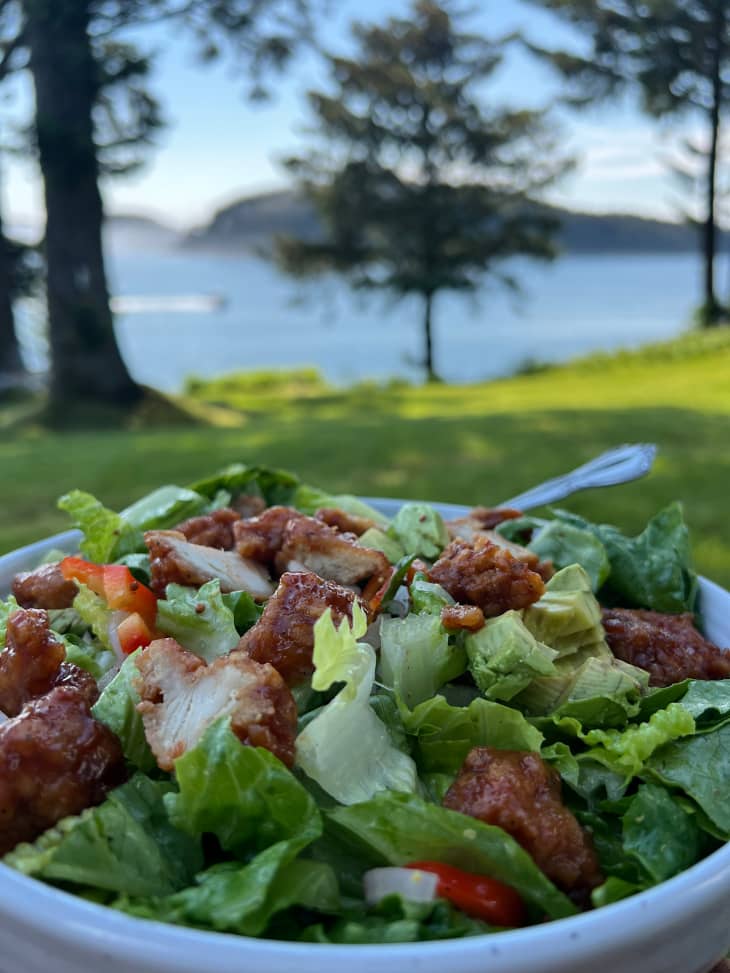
(471, 444)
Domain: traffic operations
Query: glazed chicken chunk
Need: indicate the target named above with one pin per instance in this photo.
(173, 559)
(260, 538)
(284, 635)
(310, 545)
(487, 575)
(518, 792)
(481, 522)
(669, 647)
(211, 530)
(45, 587)
(181, 696)
(55, 758)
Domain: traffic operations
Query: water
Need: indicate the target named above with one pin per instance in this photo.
(576, 305)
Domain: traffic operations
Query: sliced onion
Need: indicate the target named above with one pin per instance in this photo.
(3, 717)
(116, 619)
(411, 883)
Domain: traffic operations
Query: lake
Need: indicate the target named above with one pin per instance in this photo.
(262, 319)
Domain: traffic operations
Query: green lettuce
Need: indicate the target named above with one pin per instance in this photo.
(660, 834)
(126, 845)
(700, 766)
(107, 535)
(164, 508)
(94, 612)
(417, 657)
(199, 620)
(445, 734)
(242, 899)
(117, 709)
(377, 540)
(396, 920)
(427, 597)
(402, 828)
(275, 486)
(87, 654)
(7, 608)
(565, 544)
(708, 701)
(243, 795)
(346, 749)
(627, 751)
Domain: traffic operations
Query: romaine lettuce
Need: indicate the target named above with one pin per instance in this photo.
(346, 749)
(417, 657)
(117, 709)
(199, 620)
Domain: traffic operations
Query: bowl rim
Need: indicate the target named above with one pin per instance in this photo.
(29, 901)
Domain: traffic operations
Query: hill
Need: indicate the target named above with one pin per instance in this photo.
(252, 222)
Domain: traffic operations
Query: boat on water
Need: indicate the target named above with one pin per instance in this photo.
(168, 303)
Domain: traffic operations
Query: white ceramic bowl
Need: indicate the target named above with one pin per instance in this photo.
(682, 926)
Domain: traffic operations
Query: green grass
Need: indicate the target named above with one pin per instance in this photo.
(471, 444)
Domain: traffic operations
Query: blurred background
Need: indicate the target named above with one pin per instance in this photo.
(408, 249)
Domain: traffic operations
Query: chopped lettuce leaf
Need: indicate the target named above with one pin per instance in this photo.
(243, 795)
(199, 620)
(346, 749)
(395, 920)
(627, 751)
(566, 544)
(275, 486)
(107, 535)
(7, 608)
(88, 655)
(427, 597)
(117, 709)
(417, 657)
(662, 836)
(402, 828)
(164, 508)
(127, 845)
(652, 570)
(445, 734)
(708, 701)
(504, 657)
(420, 530)
(95, 613)
(700, 766)
(242, 899)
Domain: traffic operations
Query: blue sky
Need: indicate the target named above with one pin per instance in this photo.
(218, 147)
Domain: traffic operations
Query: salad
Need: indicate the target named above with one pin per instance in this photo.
(250, 706)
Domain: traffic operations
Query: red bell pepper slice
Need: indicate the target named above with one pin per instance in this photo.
(476, 895)
(133, 633)
(115, 583)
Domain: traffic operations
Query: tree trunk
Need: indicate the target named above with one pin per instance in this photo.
(711, 311)
(11, 364)
(431, 375)
(86, 364)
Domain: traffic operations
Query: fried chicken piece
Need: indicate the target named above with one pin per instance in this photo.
(480, 523)
(517, 791)
(669, 647)
(173, 559)
(284, 635)
(468, 618)
(45, 587)
(55, 760)
(310, 545)
(344, 522)
(211, 530)
(486, 574)
(33, 663)
(181, 696)
(260, 538)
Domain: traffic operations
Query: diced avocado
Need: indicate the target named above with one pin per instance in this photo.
(420, 530)
(571, 578)
(568, 616)
(378, 540)
(504, 657)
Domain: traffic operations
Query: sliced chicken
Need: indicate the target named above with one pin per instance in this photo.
(181, 696)
(310, 545)
(173, 559)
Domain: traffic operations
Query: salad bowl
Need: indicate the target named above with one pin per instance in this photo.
(679, 926)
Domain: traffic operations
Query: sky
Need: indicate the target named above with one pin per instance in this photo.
(218, 147)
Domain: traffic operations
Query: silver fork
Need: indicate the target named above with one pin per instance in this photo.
(619, 465)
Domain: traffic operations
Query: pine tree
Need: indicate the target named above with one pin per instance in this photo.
(676, 53)
(421, 187)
